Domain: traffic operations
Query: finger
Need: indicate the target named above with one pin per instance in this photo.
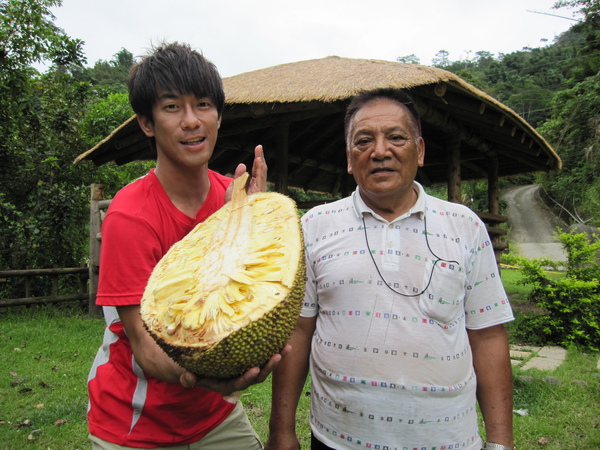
(259, 170)
(224, 388)
(272, 363)
(188, 379)
(285, 350)
(258, 155)
(246, 380)
(239, 170)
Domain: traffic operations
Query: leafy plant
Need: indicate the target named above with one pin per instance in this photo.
(571, 304)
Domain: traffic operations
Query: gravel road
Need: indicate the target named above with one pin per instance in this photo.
(532, 224)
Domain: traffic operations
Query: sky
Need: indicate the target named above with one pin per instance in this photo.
(245, 35)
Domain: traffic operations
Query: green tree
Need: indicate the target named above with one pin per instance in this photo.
(108, 76)
(409, 59)
(574, 131)
(44, 197)
(28, 35)
(101, 117)
(441, 59)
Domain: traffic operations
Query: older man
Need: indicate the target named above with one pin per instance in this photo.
(403, 319)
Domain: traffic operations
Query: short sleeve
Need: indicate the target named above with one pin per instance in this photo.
(130, 250)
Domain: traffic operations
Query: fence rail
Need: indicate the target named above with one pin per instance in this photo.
(54, 297)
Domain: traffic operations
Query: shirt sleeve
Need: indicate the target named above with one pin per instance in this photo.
(130, 250)
(486, 302)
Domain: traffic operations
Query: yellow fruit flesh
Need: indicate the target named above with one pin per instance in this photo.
(231, 271)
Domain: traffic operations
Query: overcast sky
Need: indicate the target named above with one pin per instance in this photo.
(244, 35)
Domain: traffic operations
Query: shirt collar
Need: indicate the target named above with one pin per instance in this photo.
(361, 208)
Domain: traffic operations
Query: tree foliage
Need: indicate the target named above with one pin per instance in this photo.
(28, 35)
(556, 89)
(46, 120)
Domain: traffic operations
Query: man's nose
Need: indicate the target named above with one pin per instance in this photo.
(190, 118)
(380, 148)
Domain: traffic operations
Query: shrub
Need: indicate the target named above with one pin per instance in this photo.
(572, 304)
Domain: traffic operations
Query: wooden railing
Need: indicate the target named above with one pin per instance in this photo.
(55, 296)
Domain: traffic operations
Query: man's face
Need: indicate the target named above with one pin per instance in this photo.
(384, 151)
(185, 129)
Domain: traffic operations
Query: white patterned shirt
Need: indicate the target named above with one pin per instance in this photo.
(391, 366)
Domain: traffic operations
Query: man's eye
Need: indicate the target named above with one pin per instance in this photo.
(171, 107)
(204, 104)
(398, 139)
(361, 143)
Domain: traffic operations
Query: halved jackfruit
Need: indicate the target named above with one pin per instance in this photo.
(228, 295)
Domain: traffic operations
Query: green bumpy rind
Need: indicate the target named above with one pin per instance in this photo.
(248, 347)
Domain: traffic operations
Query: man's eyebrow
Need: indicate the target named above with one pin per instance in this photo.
(390, 129)
(168, 96)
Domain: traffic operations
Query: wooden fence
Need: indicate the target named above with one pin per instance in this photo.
(88, 275)
(55, 296)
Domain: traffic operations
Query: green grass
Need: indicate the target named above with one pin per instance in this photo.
(45, 356)
(46, 353)
(518, 292)
(565, 416)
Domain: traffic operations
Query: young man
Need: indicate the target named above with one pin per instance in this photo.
(139, 397)
(402, 323)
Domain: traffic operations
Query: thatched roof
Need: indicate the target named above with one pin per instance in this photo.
(296, 111)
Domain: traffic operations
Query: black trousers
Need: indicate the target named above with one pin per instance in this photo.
(315, 444)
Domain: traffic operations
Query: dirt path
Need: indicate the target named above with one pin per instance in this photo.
(532, 224)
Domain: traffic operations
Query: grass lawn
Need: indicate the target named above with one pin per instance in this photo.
(46, 353)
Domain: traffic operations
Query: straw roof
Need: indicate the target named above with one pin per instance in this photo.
(296, 111)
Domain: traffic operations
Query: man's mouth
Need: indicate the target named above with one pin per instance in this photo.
(193, 141)
(382, 170)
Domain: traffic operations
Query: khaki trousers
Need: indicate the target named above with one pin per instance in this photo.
(235, 432)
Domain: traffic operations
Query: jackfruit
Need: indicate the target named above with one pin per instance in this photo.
(228, 295)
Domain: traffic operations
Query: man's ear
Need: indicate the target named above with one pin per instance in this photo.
(421, 151)
(349, 161)
(146, 125)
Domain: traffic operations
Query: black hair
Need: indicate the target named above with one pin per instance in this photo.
(174, 68)
(396, 95)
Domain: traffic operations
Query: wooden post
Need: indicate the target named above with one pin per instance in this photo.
(454, 180)
(83, 286)
(281, 182)
(494, 202)
(28, 284)
(493, 189)
(97, 195)
(55, 281)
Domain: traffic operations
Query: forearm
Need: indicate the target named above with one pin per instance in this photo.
(148, 355)
(491, 359)
(288, 380)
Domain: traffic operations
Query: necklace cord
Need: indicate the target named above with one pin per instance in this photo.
(428, 247)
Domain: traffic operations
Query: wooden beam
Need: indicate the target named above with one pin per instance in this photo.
(444, 122)
(475, 168)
